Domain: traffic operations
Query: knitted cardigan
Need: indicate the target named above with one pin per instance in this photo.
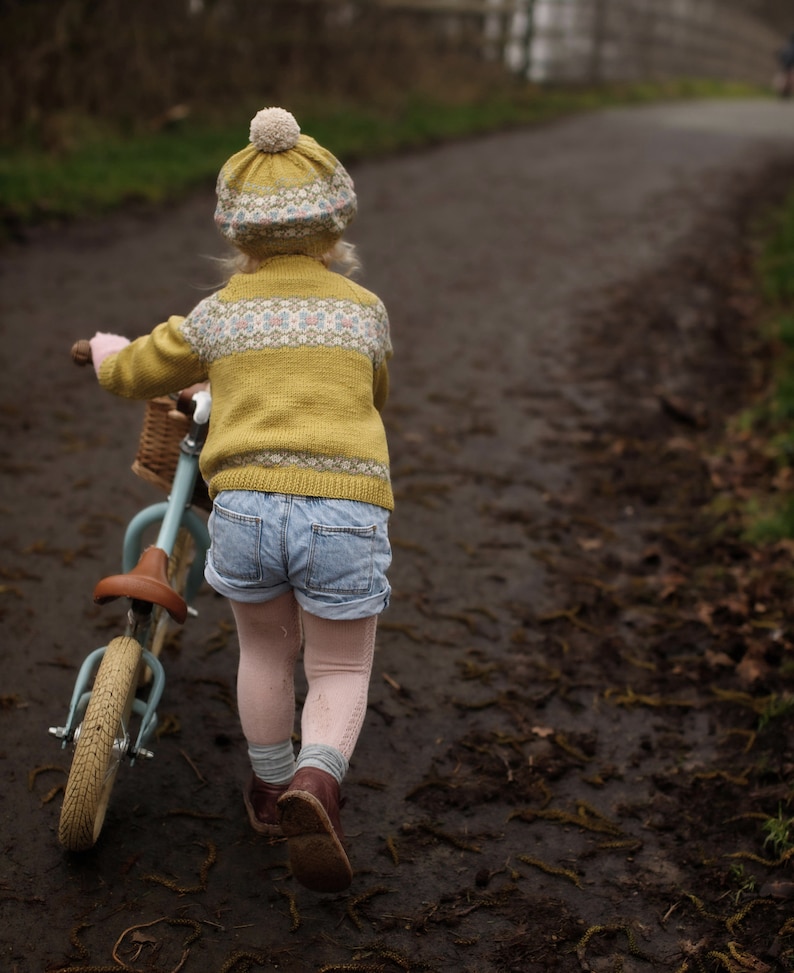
(296, 358)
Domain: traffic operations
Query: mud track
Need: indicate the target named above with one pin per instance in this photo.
(568, 755)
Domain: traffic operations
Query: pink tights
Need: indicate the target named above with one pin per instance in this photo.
(337, 661)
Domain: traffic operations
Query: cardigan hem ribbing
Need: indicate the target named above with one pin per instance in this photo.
(307, 483)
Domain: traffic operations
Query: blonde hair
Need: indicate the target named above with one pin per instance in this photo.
(341, 255)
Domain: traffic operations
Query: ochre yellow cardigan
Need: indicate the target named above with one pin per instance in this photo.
(296, 358)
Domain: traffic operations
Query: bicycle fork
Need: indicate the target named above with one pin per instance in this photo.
(144, 709)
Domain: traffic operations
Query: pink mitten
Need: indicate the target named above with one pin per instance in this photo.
(103, 344)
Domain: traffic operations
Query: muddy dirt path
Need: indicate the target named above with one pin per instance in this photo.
(557, 756)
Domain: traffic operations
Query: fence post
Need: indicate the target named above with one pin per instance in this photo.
(600, 15)
(519, 37)
(527, 37)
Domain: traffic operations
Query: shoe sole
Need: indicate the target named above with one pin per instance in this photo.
(316, 856)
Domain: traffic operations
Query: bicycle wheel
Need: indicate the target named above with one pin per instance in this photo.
(100, 744)
(178, 567)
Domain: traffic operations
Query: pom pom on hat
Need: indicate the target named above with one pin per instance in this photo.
(274, 130)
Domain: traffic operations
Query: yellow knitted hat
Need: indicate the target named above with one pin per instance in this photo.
(283, 193)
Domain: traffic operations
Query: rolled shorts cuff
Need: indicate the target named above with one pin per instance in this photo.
(250, 596)
(347, 611)
(343, 611)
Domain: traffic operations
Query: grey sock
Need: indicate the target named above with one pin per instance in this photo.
(323, 757)
(274, 763)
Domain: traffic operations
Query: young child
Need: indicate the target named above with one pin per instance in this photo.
(297, 465)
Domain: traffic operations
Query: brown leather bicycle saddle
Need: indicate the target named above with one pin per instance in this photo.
(148, 581)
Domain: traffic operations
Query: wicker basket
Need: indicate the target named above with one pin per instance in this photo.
(158, 448)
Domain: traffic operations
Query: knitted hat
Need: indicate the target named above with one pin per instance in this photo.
(283, 193)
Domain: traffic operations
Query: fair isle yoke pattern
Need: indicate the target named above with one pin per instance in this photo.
(217, 327)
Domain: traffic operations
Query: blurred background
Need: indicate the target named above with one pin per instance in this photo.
(148, 62)
(83, 79)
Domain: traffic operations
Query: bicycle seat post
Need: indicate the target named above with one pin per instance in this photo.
(139, 617)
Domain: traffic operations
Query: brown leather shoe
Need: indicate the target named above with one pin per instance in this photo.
(310, 821)
(260, 802)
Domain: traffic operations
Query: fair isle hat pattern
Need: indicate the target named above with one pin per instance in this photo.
(283, 193)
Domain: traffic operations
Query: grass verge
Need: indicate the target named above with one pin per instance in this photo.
(89, 170)
(767, 429)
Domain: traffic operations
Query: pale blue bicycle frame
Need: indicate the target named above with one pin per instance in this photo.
(172, 515)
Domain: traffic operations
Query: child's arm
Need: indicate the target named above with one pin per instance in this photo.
(156, 364)
(380, 379)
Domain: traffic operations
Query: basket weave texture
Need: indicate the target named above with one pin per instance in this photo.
(158, 448)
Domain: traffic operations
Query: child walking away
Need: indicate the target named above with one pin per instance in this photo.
(297, 465)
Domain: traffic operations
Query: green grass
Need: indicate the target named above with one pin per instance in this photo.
(93, 170)
(779, 833)
(776, 266)
(106, 171)
(771, 518)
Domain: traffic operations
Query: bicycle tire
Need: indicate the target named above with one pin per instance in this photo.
(178, 566)
(96, 757)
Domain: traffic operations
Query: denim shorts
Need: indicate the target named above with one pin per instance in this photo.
(333, 554)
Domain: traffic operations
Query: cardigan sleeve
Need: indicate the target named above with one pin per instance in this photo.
(156, 364)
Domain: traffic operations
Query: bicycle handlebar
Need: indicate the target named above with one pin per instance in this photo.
(81, 352)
